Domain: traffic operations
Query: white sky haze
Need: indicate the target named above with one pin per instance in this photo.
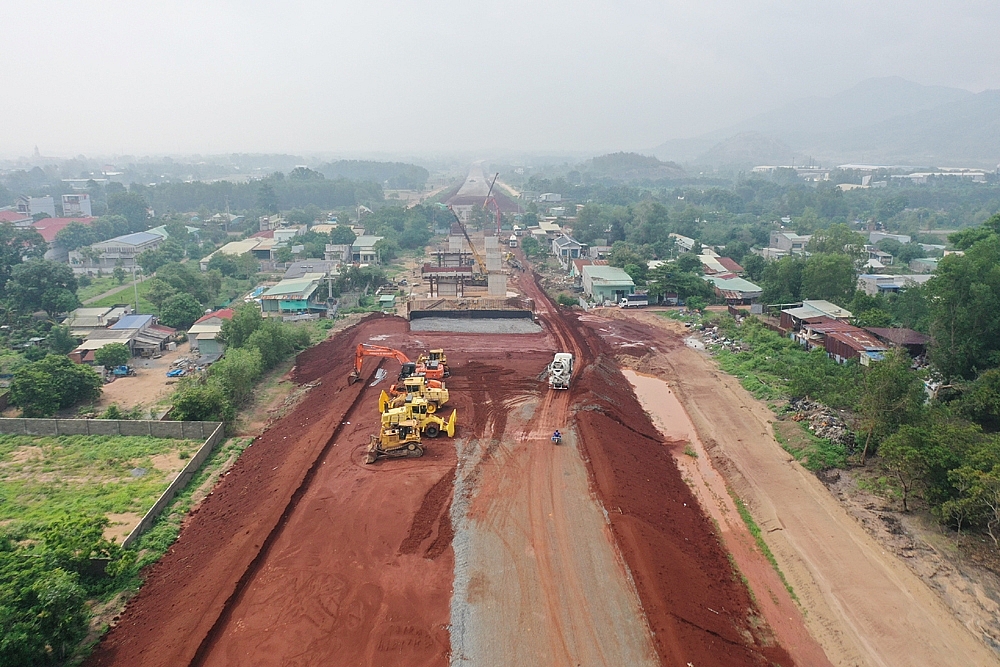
(303, 76)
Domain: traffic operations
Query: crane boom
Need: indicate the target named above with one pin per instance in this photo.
(475, 253)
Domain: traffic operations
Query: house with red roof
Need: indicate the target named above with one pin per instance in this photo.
(15, 218)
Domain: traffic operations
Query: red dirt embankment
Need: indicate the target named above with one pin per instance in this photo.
(189, 588)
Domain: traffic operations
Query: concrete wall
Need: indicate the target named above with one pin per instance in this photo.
(179, 482)
(156, 429)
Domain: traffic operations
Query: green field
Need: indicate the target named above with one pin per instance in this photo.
(45, 478)
(127, 296)
(100, 286)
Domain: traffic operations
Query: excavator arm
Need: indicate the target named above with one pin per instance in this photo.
(366, 350)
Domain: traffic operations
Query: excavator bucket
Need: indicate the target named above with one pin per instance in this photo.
(450, 429)
(383, 401)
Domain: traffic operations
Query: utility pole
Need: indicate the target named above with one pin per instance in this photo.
(135, 284)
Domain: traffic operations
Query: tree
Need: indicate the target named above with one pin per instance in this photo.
(828, 276)
(891, 395)
(839, 239)
(530, 246)
(696, 303)
(112, 354)
(964, 303)
(267, 200)
(224, 264)
(237, 372)
(180, 311)
(246, 319)
(753, 267)
(53, 383)
(133, 207)
(119, 274)
(158, 291)
(42, 285)
(60, 341)
(202, 401)
(76, 235)
(17, 245)
(904, 455)
(342, 235)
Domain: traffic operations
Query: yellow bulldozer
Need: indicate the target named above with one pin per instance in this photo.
(433, 355)
(399, 440)
(434, 391)
(418, 410)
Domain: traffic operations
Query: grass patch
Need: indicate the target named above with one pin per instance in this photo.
(45, 478)
(100, 286)
(128, 296)
(812, 452)
(689, 450)
(154, 542)
(761, 544)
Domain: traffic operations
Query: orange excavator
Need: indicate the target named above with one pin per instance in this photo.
(430, 369)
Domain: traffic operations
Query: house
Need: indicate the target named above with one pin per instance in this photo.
(883, 258)
(363, 249)
(924, 265)
(683, 243)
(789, 242)
(286, 234)
(148, 337)
(844, 342)
(32, 206)
(550, 197)
(49, 227)
(713, 264)
(301, 268)
(204, 332)
(233, 249)
(567, 248)
(557, 212)
(83, 321)
(76, 205)
(15, 218)
(914, 342)
(576, 266)
(295, 297)
(119, 251)
(599, 249)
(873, 284)
(606, 283)
(162, 231)
(549, 227)
(337, 252)
(735, 290)
(811, 309)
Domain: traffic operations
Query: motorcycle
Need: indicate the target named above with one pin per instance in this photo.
(556, 438)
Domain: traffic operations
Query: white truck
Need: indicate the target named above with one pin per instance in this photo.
(560, 370)
(634, 301)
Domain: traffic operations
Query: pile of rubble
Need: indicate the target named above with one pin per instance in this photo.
(712, 337)
(823, 422)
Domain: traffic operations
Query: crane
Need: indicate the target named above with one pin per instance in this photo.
(490, 199)
(475, 253)
(432, 370)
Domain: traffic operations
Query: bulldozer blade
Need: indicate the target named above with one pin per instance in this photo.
(450, 429)
(383, 401)
(371, 457)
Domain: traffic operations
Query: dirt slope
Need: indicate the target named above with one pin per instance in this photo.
(864, 606)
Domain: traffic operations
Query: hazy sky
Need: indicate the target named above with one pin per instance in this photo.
(299, 76)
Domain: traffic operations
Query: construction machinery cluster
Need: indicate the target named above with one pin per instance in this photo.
(409, 410)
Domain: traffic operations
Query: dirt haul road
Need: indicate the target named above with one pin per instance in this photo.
(494, 548)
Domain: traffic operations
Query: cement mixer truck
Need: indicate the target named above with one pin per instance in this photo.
(560, 370)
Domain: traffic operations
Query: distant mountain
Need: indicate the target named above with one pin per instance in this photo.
(887, 120)
(396, 175)
(633, 167)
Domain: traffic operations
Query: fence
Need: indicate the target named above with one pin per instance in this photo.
(210, 432)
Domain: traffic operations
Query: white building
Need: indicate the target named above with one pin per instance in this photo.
(76, 205)
(35, 205)
(550, 197)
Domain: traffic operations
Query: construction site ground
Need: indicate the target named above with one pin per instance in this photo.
(499, 548)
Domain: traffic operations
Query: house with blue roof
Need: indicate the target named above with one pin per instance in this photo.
(119, 251)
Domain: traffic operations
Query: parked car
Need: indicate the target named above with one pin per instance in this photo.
(176, 373)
